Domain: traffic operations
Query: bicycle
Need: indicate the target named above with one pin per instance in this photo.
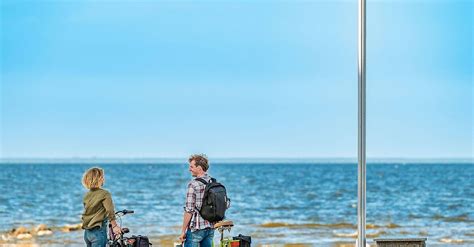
(222, 226)
(120, 240)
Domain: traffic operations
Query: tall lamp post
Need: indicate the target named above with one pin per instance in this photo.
(361, 240)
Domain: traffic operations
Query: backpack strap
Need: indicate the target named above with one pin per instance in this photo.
(202, 181)
(213, 180)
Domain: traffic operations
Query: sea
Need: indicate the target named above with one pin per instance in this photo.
(277, 203)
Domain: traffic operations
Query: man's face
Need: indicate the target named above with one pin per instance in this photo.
(195, 170)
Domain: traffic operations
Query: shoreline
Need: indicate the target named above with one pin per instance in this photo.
(75, 239)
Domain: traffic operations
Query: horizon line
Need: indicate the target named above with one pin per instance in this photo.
(141, 160)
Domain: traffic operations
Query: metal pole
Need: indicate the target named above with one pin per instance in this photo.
(361, 240)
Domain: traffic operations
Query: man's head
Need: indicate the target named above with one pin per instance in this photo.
(198, 164)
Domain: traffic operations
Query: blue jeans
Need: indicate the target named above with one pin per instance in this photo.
(199, 238)
(96, 237)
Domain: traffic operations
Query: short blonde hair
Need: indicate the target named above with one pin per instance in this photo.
(93, 178)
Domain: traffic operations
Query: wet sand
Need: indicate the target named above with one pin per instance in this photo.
(344, 236)
(169, 242)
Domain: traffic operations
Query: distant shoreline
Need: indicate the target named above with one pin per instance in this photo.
(237, 160)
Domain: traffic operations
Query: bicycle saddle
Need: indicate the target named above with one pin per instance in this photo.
(125, 230)
(224, 223)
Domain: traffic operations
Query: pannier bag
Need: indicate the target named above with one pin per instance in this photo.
(245, 241)
(141, 241)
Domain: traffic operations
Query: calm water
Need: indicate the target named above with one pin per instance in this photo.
(274, 203)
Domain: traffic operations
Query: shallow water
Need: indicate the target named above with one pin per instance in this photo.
(282, 203)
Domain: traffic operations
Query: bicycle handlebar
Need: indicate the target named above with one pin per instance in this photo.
(125, 211)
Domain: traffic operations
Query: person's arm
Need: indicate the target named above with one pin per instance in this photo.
(186, 219)
(114, 225)
(110, 212)
(189, 208)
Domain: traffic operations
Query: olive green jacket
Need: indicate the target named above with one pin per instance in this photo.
(98, 206)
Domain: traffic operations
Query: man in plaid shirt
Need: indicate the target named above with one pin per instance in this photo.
(196, 231)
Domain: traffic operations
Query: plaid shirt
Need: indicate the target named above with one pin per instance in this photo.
(194, 196)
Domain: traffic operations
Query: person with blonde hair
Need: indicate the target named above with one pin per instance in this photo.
(98, 209)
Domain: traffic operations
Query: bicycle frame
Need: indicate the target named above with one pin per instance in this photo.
(119, 240)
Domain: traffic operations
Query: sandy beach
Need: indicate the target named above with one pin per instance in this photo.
(71, 235)
(44, 236)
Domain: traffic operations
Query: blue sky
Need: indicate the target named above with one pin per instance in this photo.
(234, 79)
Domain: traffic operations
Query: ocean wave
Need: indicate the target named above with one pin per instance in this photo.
(346, 235)
(389, 226)
(423, 233)
(318, 225)
(457, 218)
(354, 234)
(451, 241)
(307, 225)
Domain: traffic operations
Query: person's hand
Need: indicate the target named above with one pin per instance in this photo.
(182, 237)
(117, 231)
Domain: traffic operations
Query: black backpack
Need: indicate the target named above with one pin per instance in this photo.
(214, 202)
